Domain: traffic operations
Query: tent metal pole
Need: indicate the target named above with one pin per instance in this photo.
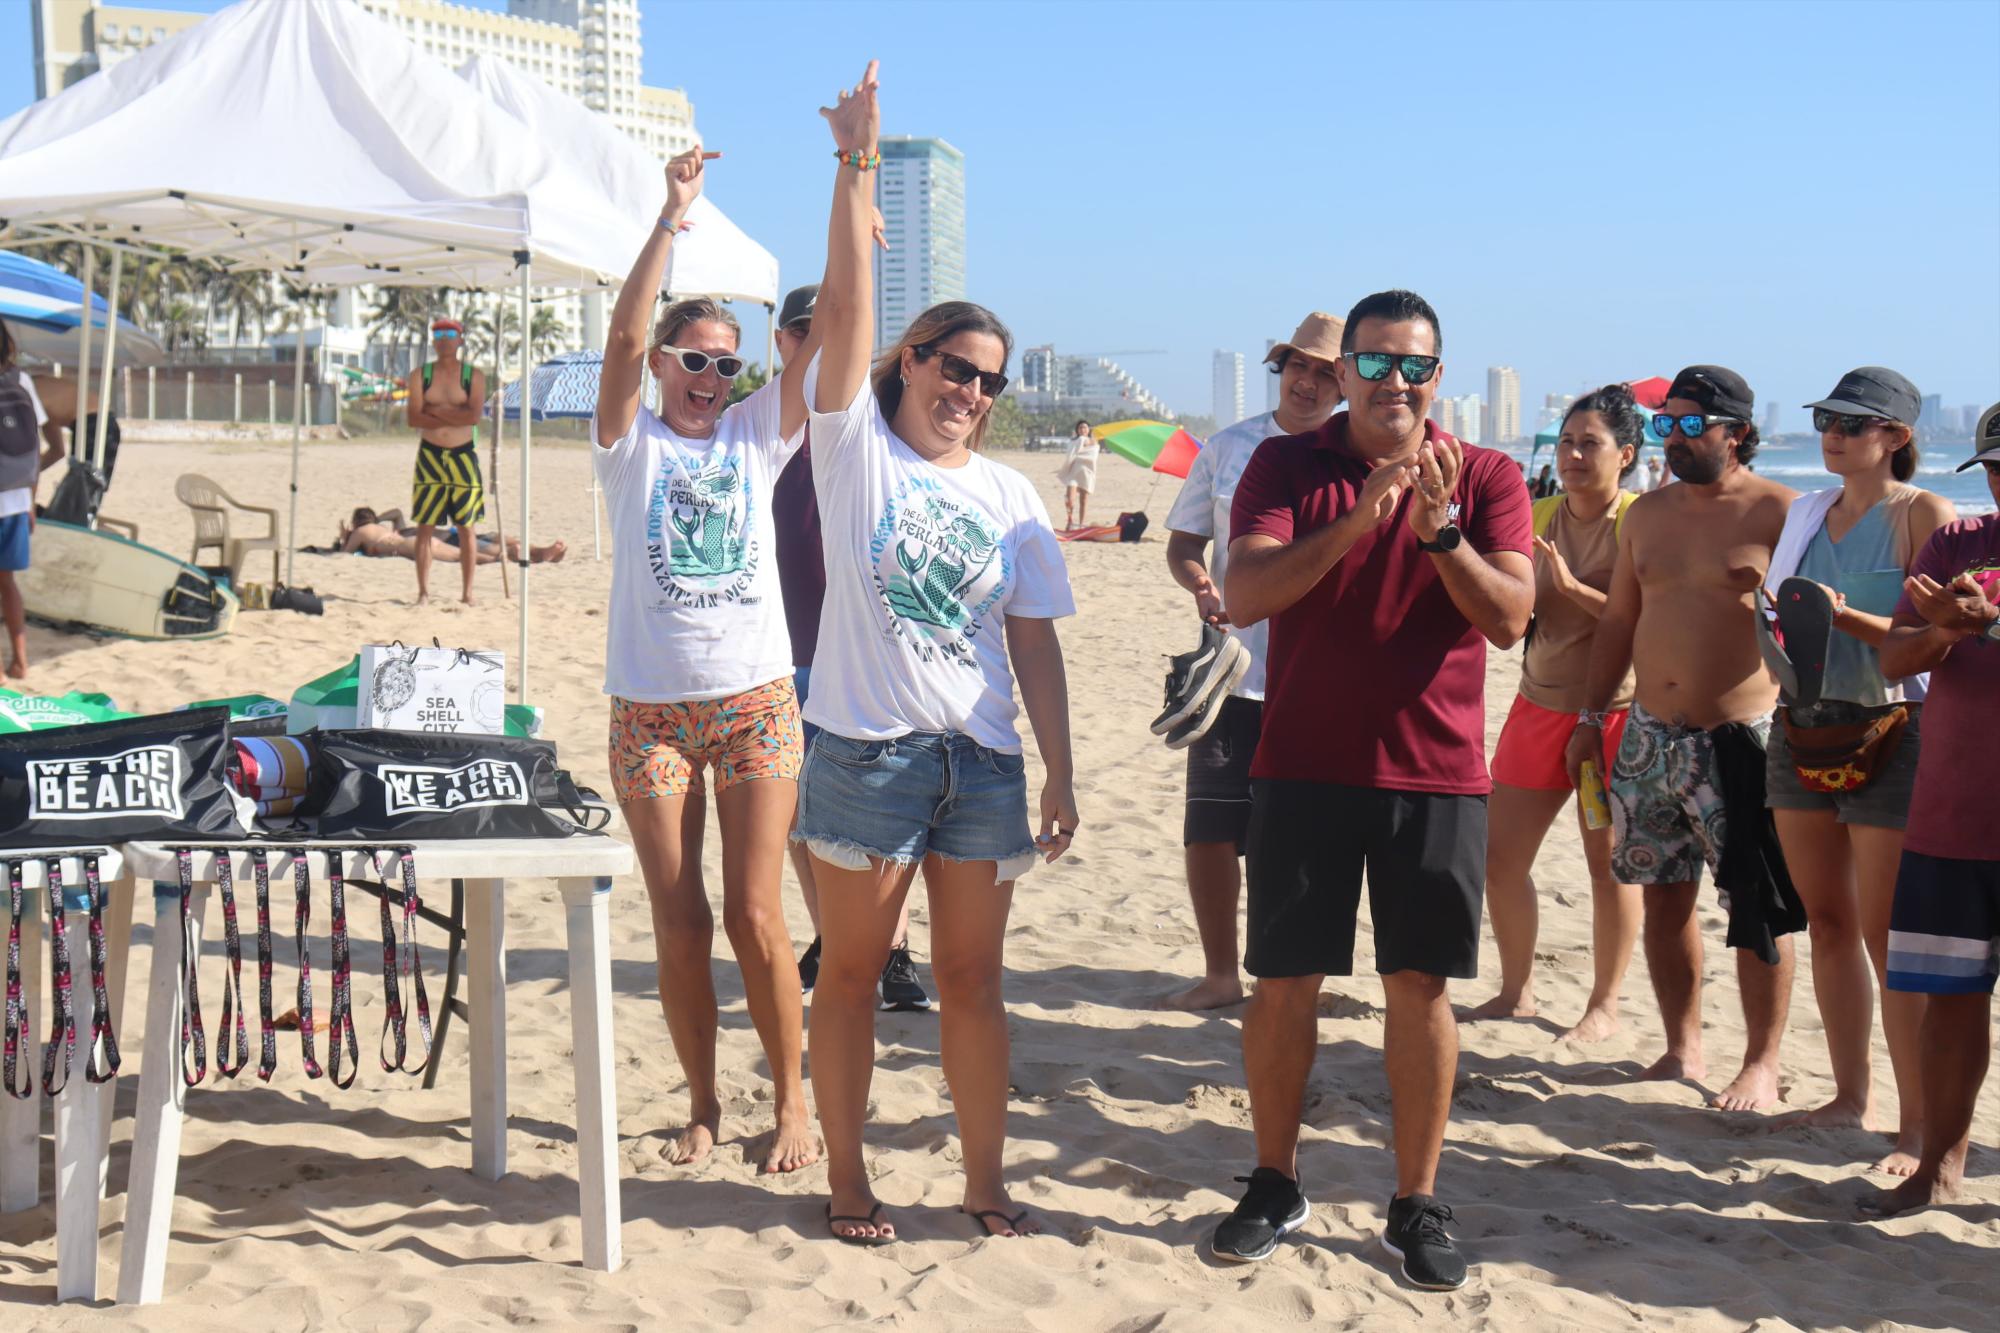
(499, 397)
(104, 378)
(298, 432)
(770, 342)
(78, 439)
(527, 420)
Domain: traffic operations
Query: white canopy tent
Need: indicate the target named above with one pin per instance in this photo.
(308, 137)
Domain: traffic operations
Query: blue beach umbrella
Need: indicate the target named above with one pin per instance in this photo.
(43, 306)
(564, 386)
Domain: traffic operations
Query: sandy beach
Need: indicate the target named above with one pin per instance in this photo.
(1585, 1200)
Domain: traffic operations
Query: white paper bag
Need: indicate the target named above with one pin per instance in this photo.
(431, 689)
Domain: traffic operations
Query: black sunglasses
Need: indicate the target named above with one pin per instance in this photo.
(960, 371)
(1691, 425)
(1375, 366)
(1848, 423)
(729, 367)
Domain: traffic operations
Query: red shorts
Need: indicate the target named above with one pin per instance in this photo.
(1530, 752)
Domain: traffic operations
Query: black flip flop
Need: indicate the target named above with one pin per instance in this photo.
(1013, 1223)
(856, 1238)
(1805, 615)
(1774, 656)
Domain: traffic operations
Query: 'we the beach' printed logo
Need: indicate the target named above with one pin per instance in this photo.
(420, 789)
(698, 518)
(939, 567)
(144, 781)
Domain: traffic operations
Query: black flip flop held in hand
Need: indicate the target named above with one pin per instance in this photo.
(1805, 615)
(835, 1220)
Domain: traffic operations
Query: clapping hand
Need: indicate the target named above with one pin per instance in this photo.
(855, 118)
(1436, 474)
(1561, 578)
(684, 173)
(1382, 490)
(1961, 605)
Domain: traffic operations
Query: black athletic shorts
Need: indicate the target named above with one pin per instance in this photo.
(1218, 775)
(1425, 857)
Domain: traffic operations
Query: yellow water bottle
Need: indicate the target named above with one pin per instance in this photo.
(1591, 797)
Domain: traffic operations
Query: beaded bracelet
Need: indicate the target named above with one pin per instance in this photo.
(672, 227)
(859, 160)
(1587, 717)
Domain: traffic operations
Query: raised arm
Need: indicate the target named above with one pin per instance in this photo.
(844, 316)
(625, 340)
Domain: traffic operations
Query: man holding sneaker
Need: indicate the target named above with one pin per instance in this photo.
(1215, 694)
(1387, 556)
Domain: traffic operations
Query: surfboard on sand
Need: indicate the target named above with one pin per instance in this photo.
(113, 585)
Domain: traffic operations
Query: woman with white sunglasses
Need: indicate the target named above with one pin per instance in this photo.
(699, 664)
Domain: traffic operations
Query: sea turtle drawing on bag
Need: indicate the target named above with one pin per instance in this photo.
(929, 589)
(711, 541)
(394, 684)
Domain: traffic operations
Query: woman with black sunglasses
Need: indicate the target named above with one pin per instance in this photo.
(942, 573)
(1842, 824)
(699, 665)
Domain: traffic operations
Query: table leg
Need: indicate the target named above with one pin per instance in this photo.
(486, 967)
(78, 1154)
(118, 952)
(156, 1123)
(586, 909)
(21, 1121)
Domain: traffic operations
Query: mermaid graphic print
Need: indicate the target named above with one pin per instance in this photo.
(939, 567)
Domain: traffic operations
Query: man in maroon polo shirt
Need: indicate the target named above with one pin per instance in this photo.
(1386, 556)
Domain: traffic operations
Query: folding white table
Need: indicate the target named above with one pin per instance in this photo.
(582, 866)
(83, 1108)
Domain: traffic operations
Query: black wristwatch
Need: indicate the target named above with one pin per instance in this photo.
(1447, 539)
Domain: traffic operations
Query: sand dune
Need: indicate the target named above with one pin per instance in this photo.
(1586, 1200)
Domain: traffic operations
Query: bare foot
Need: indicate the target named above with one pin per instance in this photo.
(1597, 1023)
(1755, 1088)
(1914, 1193)
(846, 1214)
(1671, 1068)
(1903, 1159)
(1003, 1219)
(423, 599)
(554, 552)
(793, 1144)
(467, 599)
(17, 670)
(1500, 1006)
(694, 1143)
(1208, 993)
(1836, 1114)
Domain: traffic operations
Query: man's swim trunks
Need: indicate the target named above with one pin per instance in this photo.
(447, 489)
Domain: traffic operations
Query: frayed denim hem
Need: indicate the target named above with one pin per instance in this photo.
(845, 854)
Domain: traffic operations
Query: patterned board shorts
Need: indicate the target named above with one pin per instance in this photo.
(447, 488)
(1666, 810)
(659, 749)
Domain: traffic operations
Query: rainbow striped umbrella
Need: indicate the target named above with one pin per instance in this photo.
(1158, 445)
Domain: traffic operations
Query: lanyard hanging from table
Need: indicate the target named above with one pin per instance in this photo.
(340, 1025)
(19, 1036)
(62, 1020)
(232, 982)
(394, 1022)
(102, 1039)
(192, 1033)
(267, 1032)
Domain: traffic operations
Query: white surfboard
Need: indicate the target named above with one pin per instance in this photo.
(113, 585)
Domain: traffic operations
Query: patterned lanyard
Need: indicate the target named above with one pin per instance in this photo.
(302, 913)
(267, 1059)
(394, 1024)
(101, 1036)
(192, 1033)
(232, 983)
(62, 1024)
(20, 1025)
(340, 1027)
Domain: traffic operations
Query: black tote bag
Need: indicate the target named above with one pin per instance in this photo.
(406, 785)
(156, 778)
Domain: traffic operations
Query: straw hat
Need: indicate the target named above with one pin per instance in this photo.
(1318, 335)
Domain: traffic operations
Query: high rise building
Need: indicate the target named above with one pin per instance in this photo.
(1503, 406)
(1770, 426)
(1446, 415)
(1930, 421)
(1471, 419)
(921, 192)
(1228, 388)
(1270, 380)
(1087, 385)
(1554, 405)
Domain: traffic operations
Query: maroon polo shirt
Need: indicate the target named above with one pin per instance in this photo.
(801, 562)
(1375, 678)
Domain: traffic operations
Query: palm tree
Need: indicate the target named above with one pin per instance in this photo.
(244, 297)
(180, 327)
(546, 333)
(402, 315)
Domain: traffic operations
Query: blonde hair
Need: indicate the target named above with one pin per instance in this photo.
(693, 310)
(941, 323)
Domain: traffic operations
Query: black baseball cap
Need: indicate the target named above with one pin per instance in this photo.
(799, 303)
(1985, 440)
(1720, 391)
(1874, 391)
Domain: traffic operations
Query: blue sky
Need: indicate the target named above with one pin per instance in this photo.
(1584, 191)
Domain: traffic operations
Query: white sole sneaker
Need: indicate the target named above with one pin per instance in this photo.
(1299, 1218)
(1232, 655)
(1210, 706)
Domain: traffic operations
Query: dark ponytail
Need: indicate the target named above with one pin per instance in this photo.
(1903, 462)
(1620, 410)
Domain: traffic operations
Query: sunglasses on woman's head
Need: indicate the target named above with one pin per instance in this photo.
(729, 367)
(960, 371)
(1375, 366)
(1691, 425)
(1848, 423)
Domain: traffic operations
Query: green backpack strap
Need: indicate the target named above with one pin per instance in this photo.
(1545, 512)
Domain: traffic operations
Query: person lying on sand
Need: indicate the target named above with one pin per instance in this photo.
(379, 535)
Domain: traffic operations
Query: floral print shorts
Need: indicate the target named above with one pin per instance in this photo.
(659, 749)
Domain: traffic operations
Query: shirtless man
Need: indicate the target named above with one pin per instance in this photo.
(1681, 614)
(446, 399)
(384, 535)
(59, 394)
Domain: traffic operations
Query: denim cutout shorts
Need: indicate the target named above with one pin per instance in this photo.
(921, 793)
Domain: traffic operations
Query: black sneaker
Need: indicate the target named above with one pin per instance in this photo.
(1196, 724)
(1192, 677)
(1415, 1234)
(809, 967)
(1272, 1208)
(900, 990)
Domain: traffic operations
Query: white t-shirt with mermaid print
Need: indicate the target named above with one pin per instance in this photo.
(923, 565)
(695, 607)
